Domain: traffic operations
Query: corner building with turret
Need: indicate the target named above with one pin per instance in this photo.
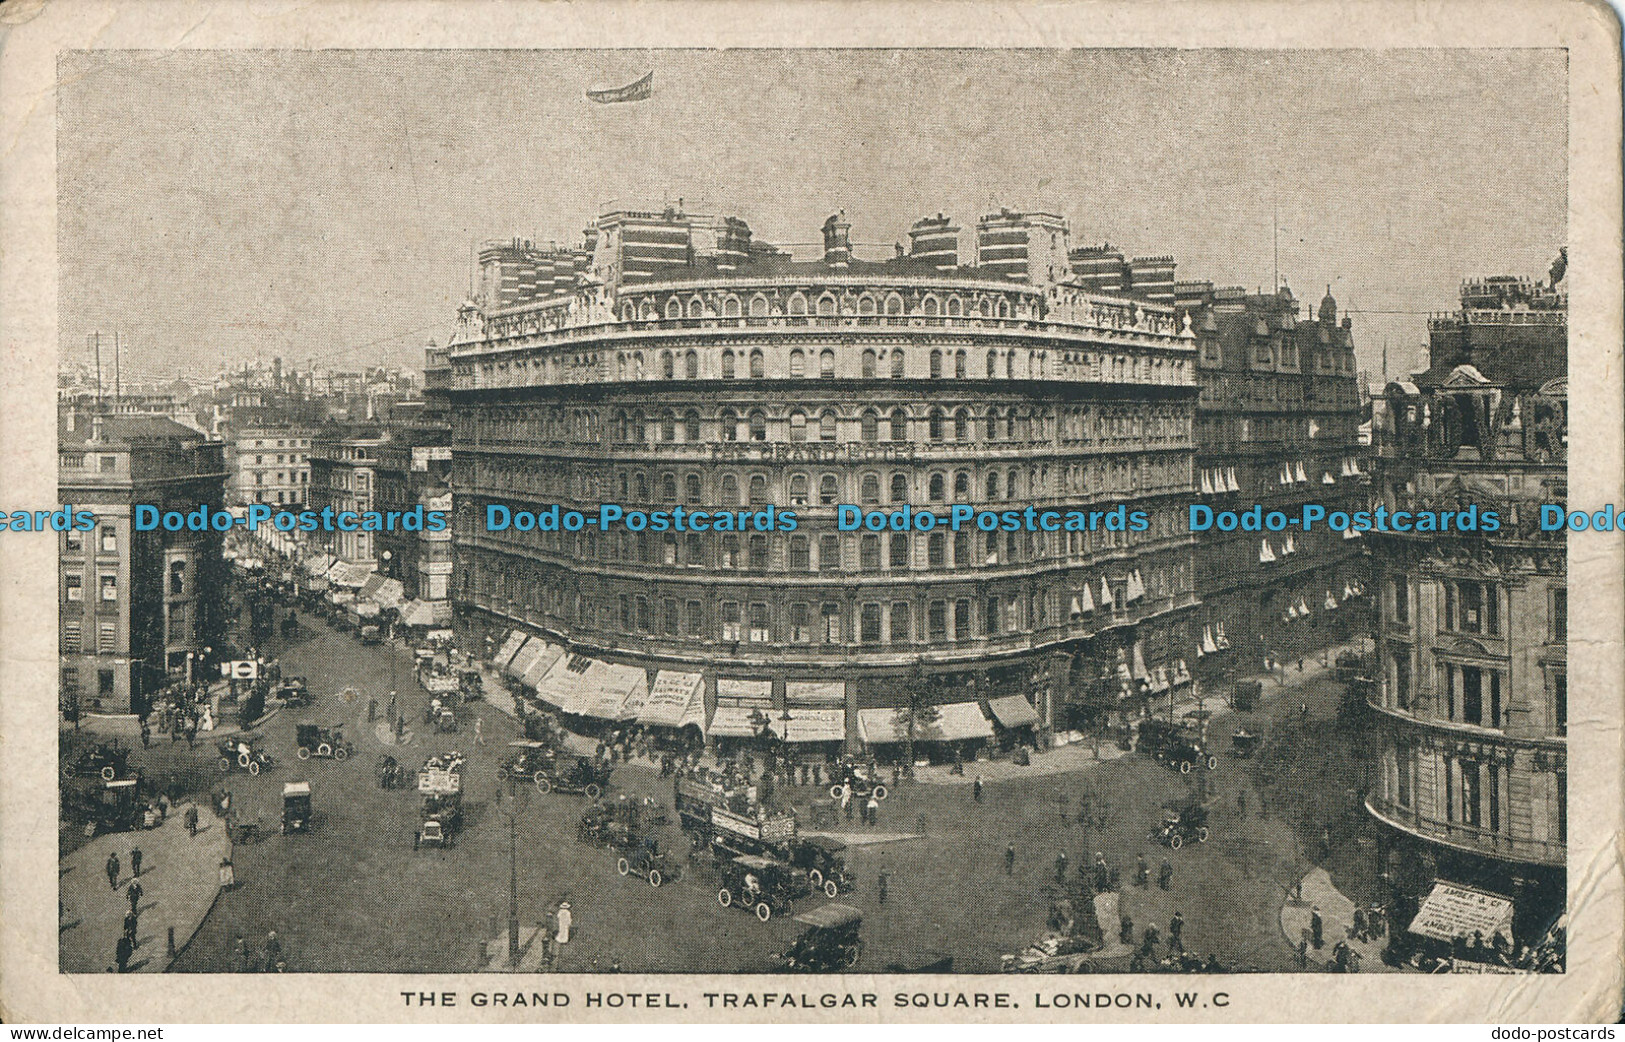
(689, 363)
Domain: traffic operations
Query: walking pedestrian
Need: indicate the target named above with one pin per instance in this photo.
(1176, 931)
(1360, 929)
(1125, 929)
(135, 893)
(479, 729)
(131, 923)
(122, 953)
(1317, 928)
(389, 710)
(146, 735)
(273, 952)
(1303, 955)
(191, 819)
(565, 920)
(135, 861)
(976, 789)
(1149, 939)
(113, 869)
(1060, 868)
(1142, 872)
(1103, 876)
(883, 881)
(1165, 874)
(872, 808)
(239, 954)
(847, 802)
(1241, 802)
(1010, 859)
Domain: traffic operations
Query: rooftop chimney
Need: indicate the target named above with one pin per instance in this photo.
(837, 241)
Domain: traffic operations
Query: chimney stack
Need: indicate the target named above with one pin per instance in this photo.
(838, 242)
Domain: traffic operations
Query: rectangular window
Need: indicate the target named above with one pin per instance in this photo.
(962, 620)
(1560, 616)
(109, 464)
(693, 550)
(899, 551)
(177, 622)
(696, 618)
(1405, 755)
(831, 613)
(902, 626)
(74, 587)
(109, 539)
(1402, 681)
(1560, 701)
(109, 587)
(626, 612)
(177, 578)
(730, 551)
(800, 554)
(1471, 780)
(936, 621)
(760, 625)
(869, 624)
(800, 624)
(1472, 695)
(668, 549)
(829, 553)
(1400, 599)
(107, 636)
(991, 618)
(74, 539)
(869, 553)
(730, 620)
(670, 617)
(70, 637)
(104, 682)
(70, 681)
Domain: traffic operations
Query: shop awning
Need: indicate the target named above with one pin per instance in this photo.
(344, 573)
(510, 648)
(813, 725)
(319, 565)
(1452, 911)
(883, 725)
(370, 588)
(545, 659)
(525, 658)
(953, 722)
(417, 613)
(389, 594)
(733, 722)
(676, 700)
(606, 689)
(560, 686)
(1013, 711)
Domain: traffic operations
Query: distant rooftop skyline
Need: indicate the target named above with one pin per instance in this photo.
(238, 213)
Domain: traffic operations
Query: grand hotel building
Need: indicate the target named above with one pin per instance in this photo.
(672, 359)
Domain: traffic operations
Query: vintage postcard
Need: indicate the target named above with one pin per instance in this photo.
(811, 512)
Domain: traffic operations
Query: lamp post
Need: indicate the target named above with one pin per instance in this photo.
(517, 796)
(389, 647)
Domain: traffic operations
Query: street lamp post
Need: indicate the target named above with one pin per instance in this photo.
(512, 807)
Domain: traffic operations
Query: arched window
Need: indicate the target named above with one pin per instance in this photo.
(992, 363)
(798, 426)
(987, 308)
(870, 489)
(868, 363)
(897, 361)
(898, 551)
(826, 364)
(758, 490)
(730, 307)
(691, 426)
(871, 425)
(640, 433)
(758, 426)
(727, 365)
(826, 306)
(1012, 484)
(894, 305)
(627, 312)
(899, 488)
(866, 305)
(648, 312)
(962, 425)
(691, 489)
(899, 425)
(668, 488)
(826, 425)
(798, 362)
(691, 365)
(934, 428)
(1010, 365)
(674, 308)
(798, 490)
(936, 364)
(758, 364)
(758, 306)
(960, 370)
(938, 489)
(1010, 425)
(729, 421)
(930, 307)
(730, 490)
(1004, 308)
(827, 490)
(668, 364)
(992, 486)
(798, 305)
(695, 307)
(640, 487)
(668, 427)
(935, 544)
(962, 487)
(617, 426)
(953, 307)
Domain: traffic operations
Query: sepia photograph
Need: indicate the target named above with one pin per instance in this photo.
(996, 511)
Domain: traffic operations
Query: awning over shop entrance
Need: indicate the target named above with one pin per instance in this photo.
(1452, 910)
(559, 687)
(319, 565)
(953, 722)
(549, 655)
(813, 725)
(510, 648)
(344, 573)
(1013, 711)
(883, 725)
(608, 691)
(733, 722)
(526, 657)
(676, 700)
(389, 594)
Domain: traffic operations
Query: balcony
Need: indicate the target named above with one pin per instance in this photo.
(1467, 838)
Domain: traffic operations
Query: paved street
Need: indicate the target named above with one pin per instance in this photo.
(354, 895)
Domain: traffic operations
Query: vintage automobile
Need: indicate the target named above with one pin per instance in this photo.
(1244, 744)
(105, 760)
(441, 818)
(646, 859)
(854, 779)
(528, 759)
(371, 634)
(575, 774)
(1179, 747)
(824, 860)
(438, 679)
(1182, 823)
(445, 722)
(295, 807)
(761, 884)
(1053, 954)
(471, 684)
(241, 752)
(293, 691)
(330, 742)
(829, 943)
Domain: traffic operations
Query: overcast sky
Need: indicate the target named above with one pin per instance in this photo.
(217, 207)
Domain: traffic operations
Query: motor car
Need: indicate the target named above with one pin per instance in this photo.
(830, 940)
